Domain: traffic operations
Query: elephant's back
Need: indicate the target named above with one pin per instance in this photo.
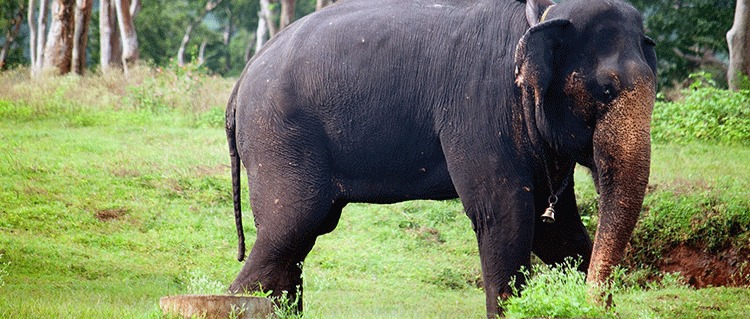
(374, 78)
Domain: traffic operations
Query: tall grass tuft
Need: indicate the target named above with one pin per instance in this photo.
(3, 271)
(185, 94)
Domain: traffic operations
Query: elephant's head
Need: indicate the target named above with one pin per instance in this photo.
(587, 73)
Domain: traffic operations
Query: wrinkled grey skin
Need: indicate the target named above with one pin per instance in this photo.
(393, 100)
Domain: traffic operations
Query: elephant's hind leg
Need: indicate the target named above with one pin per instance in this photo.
(287, 227)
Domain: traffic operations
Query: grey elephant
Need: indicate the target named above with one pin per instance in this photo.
(490, 101)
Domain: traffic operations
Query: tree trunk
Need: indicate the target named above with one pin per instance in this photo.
(227, 37)
(183, 44)
(287, 13)
(739, 45)
(135, 8)
(266, 27)
(10, 35)
(125, 14)
(80, 35)
(320, 4)
(261, 33)
(202, 52)
(58, 53)
(110, 47)
(41, 39)
(267, 16)
(249, 48)
(210, 5)
(32, 34)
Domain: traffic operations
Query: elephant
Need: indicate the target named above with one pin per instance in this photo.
(493, 102)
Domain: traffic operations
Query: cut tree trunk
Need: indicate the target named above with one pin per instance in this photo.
(739, 45)
(80, 35)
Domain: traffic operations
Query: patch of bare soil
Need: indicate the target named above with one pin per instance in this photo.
(727, 267)
(106, 215)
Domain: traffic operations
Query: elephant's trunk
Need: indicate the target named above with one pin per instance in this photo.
(622, 156)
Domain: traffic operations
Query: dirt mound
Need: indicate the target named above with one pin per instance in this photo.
(727, 267)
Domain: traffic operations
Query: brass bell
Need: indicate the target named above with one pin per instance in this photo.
(549, 215)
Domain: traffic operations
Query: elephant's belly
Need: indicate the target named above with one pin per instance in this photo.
(431, 182)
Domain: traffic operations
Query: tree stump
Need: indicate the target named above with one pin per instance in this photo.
(217, 306)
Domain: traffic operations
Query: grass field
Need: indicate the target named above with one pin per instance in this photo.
(105, 210)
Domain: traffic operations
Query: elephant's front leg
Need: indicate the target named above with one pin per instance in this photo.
(504, 224)
(566, 237)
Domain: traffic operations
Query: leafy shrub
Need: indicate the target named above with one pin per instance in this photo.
(555, 292)
(705, 114)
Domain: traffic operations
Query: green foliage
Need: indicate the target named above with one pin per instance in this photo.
(171, 87)
(9, 11)
(286, 308)
(686, 28)
(555, 292)
(705, 114)
(214, 117)
(699, 217)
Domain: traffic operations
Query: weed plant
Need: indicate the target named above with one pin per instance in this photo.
(555, 292)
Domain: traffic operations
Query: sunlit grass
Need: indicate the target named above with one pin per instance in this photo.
(110, 200)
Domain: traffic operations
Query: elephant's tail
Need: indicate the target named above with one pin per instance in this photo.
(235, 160)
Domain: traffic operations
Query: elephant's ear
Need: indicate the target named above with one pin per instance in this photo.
(536, 9)
(534, 69)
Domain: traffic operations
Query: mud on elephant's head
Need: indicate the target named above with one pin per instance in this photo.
(587, 74)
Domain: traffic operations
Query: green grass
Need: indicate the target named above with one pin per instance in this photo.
(108, 203)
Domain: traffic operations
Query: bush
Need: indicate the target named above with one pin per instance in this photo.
(705, 114)
(555, 292)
